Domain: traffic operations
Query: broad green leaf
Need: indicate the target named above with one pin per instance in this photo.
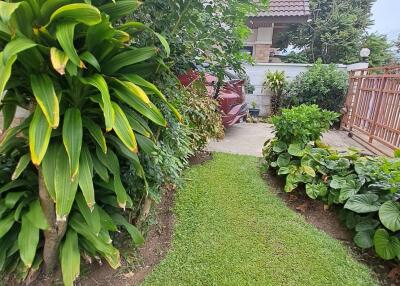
(86, 177)
(12, 185)
(137, 122)
(106, 221)
(135, 234)
(97, 34)
(91, 59)
(147, 110)
(363, 203)
(146, 145)
(127, 58)
(49, 168)
(9, 109)
(369, 224)
(16, 46)
(123, 129)
(59, 60)
(36, 216)
(72, 138)
(39, 136)
(91, 216)
(106, 250)
(386, 246)
(28, 240)
(99, 82)
(283, 160)
(136, 91)
(138, 80)
(12, 198)
(96, 133)
(5, 72)
(43, 89)
(121, 36)
(21, 166)
(279, 147)
(164, 42)
(110, 160)
(118, 9)
(70, 258)
(65, 36)
(65, 188)
(296, 150)
(6, 224)
(316, 190)
(364, 239)
(389, 214)
(7, 10)
(77, 12)
(120, 191)
(308, 170)
(100, 169)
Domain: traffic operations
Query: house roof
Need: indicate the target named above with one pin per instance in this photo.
(286, 8)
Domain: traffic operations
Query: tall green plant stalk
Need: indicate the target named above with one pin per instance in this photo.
(74, 66)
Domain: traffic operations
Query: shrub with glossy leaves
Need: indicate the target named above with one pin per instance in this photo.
(74, 67)
(323, 85)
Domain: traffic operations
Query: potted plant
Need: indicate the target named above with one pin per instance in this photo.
(254, 111)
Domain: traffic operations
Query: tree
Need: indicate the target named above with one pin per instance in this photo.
(334, 33)
(73, 66)
(381, 49)
(201, 32)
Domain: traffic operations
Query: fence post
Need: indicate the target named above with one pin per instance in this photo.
(378, 106)
(360, 82)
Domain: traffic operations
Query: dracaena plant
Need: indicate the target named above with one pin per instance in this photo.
(74, 66)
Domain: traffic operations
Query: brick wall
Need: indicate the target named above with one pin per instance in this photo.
(261, 53)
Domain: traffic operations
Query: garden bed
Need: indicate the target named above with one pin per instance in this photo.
(326, 219)
(137, 265)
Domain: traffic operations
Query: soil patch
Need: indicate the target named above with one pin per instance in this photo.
(327, 220)
(158, 242)
(200, 158)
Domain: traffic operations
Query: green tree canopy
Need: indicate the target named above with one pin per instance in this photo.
(381, 52)
(334, 33)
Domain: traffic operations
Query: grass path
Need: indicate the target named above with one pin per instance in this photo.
(230, 230)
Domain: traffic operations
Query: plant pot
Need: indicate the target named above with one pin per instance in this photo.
(254, 112)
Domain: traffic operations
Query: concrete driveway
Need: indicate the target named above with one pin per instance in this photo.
(249, 138)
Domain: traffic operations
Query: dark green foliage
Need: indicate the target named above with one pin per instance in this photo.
(368, 188)
(335, 33)
(302, 124)
(381, 53)
(323, 85)
(276, 82)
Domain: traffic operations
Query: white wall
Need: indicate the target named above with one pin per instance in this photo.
(257, 73)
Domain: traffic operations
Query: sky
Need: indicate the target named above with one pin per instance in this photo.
(387, 18)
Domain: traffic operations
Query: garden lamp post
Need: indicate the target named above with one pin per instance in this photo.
(364, 54)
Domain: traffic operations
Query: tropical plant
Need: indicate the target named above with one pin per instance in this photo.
(73, 66)
(366, 187)
(276, 82)
(323, 85)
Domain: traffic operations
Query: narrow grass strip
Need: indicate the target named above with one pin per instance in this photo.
(230, 230)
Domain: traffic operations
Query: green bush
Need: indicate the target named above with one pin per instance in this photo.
(303, 123)
(323, 85)
(368, 188)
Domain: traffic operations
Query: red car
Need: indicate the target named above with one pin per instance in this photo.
(231, 95)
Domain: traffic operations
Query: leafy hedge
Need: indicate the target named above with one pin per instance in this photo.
(368, 188)
(323, 85)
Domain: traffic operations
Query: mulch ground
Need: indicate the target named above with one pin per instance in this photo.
(327, 220)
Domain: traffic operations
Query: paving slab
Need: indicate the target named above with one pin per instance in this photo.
(249, 138)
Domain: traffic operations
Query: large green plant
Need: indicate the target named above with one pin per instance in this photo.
(323, 85)
(366, 187)
(73, 66)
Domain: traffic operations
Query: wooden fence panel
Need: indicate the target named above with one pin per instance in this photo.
(372, 107)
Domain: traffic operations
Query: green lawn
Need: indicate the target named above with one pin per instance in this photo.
(230, 230)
